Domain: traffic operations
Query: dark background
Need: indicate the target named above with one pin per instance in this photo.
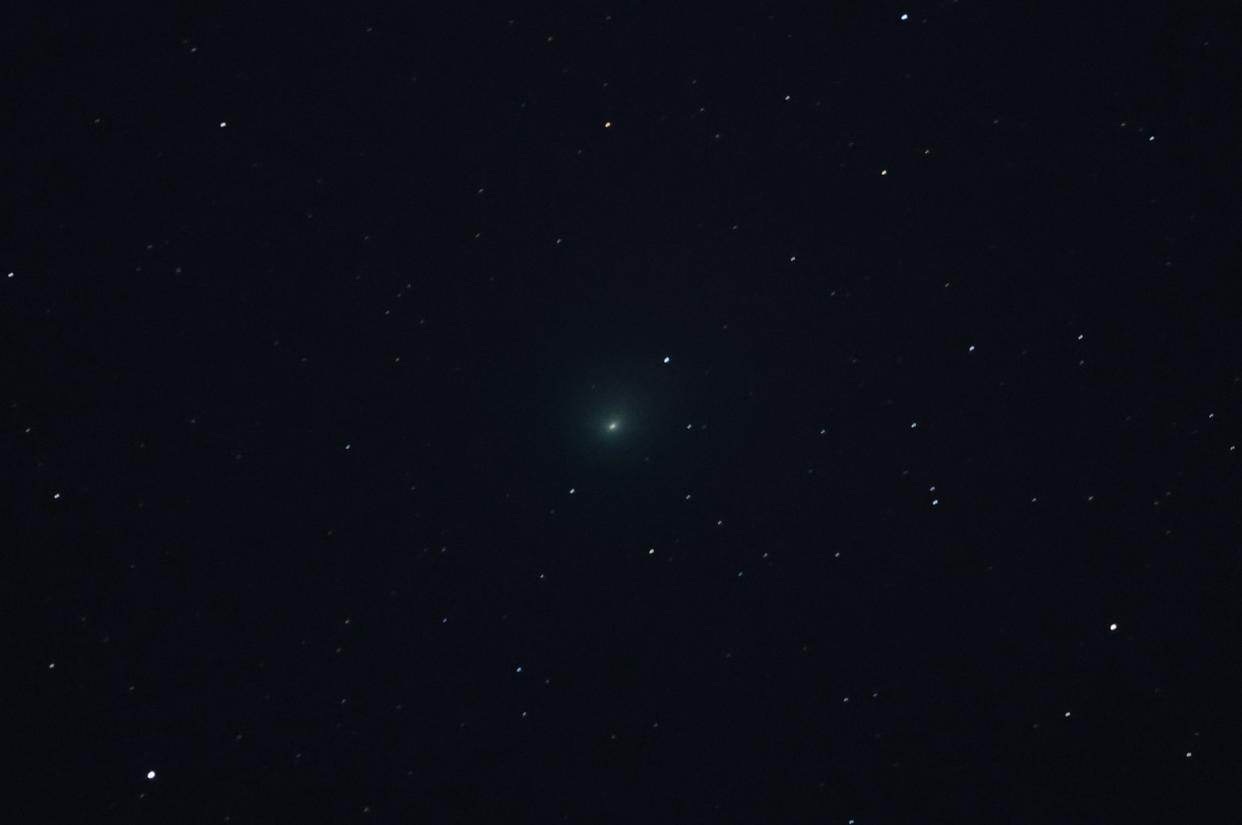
(304, 417)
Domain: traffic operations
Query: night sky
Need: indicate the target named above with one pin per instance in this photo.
(623, 413)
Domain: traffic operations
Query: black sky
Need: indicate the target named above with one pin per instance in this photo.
(918, 323)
